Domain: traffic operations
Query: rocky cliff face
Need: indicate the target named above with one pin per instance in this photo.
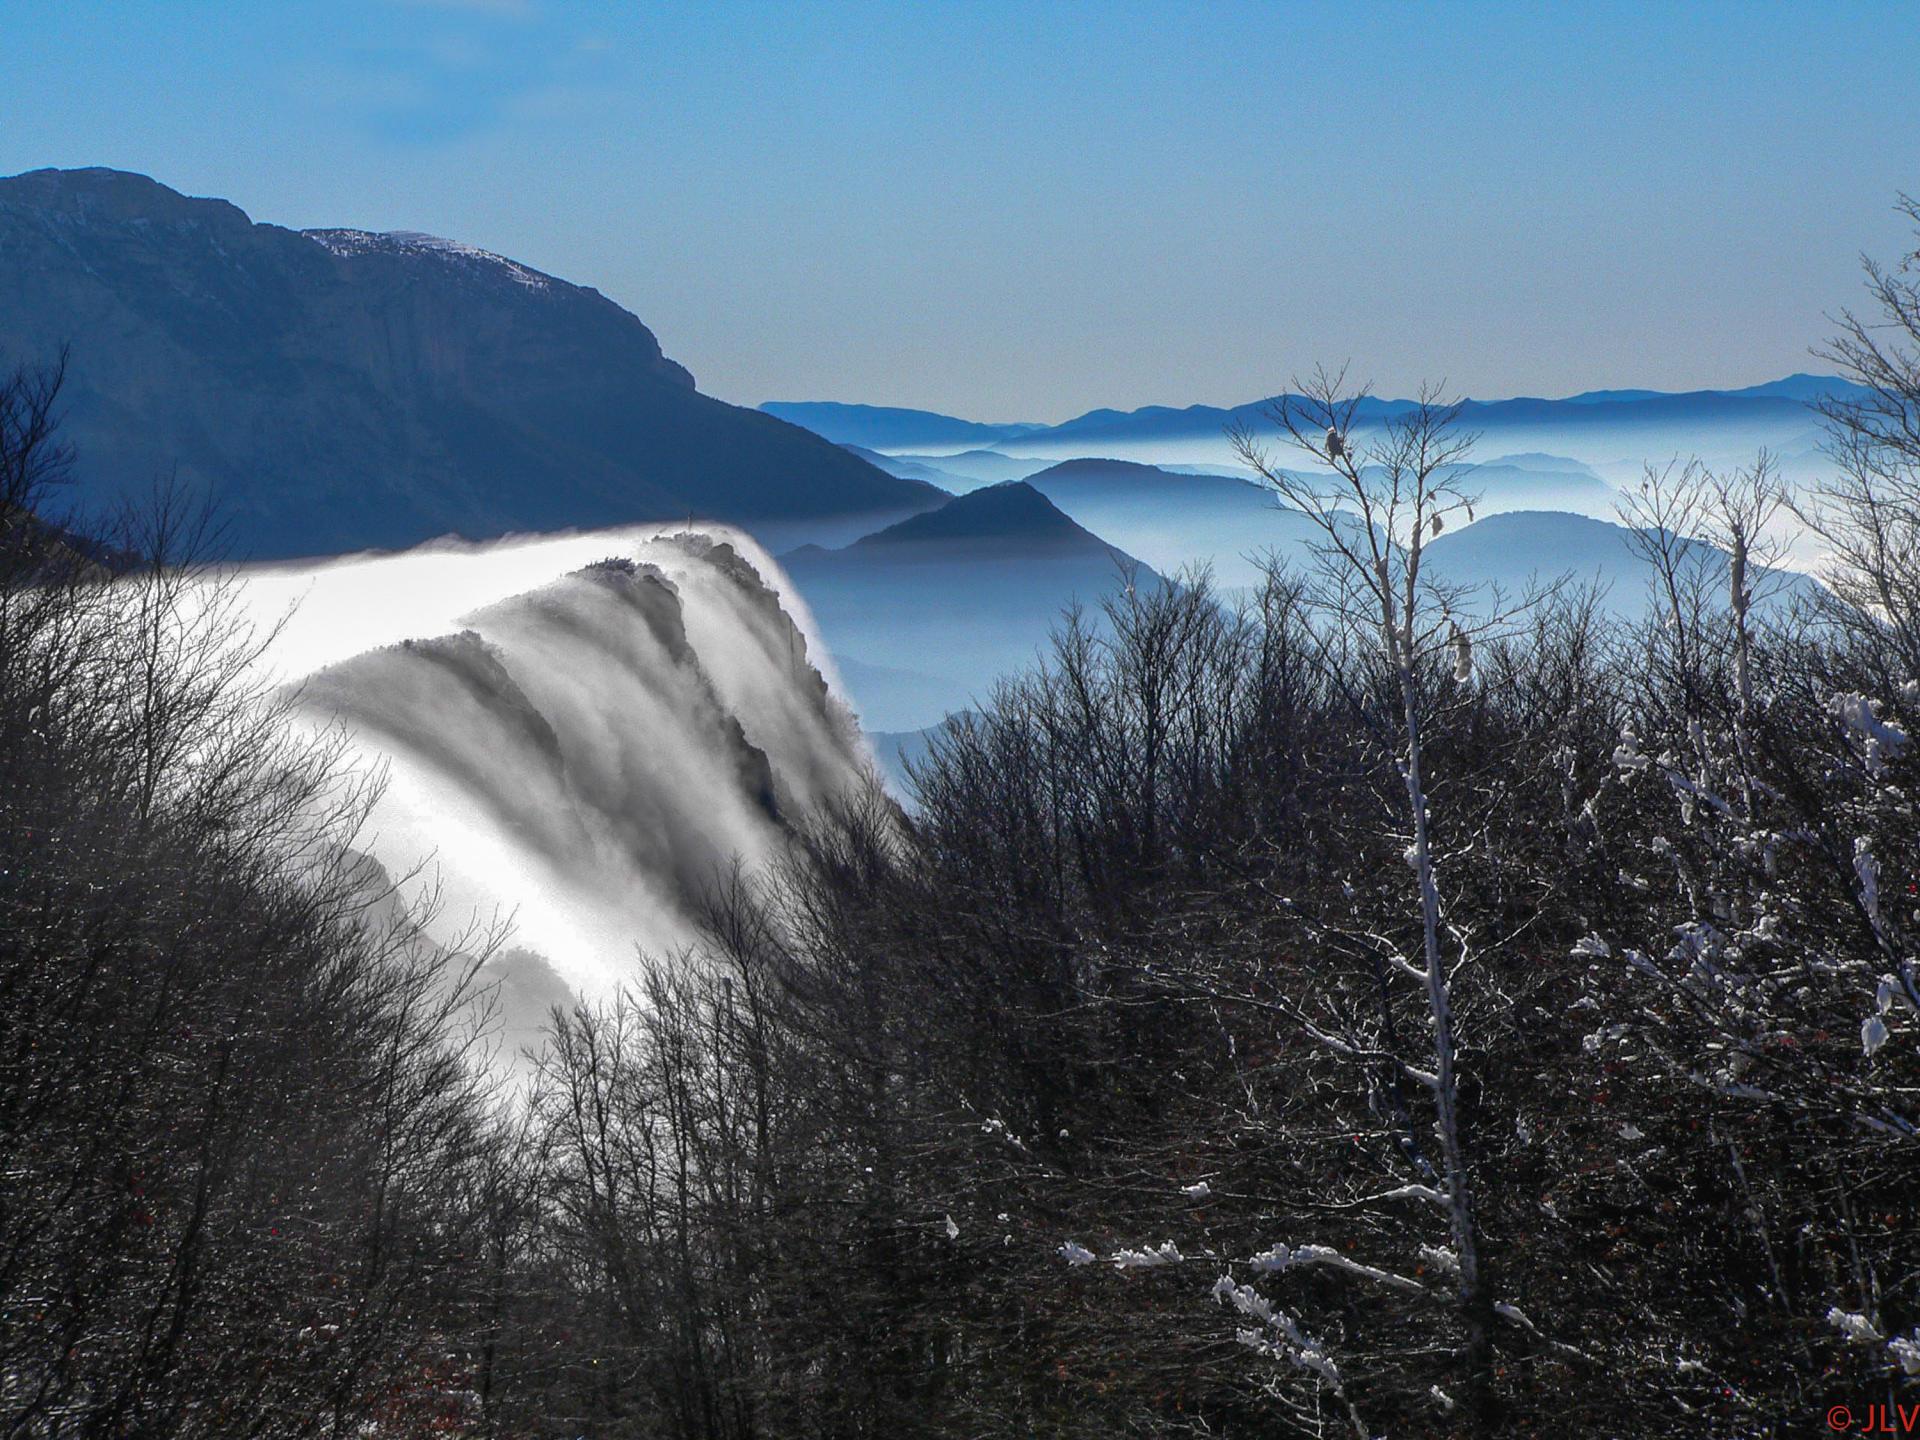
(338, 390)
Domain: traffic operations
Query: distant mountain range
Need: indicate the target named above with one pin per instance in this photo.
(884, 427)
(957, 473)
(1176, 520)
(1779, 403)
(1015, 518)
(925, 615)
(1803, 388)
(973, 468)
(1514, 550)
(907, 467)
(1535, 482)
(337, 389)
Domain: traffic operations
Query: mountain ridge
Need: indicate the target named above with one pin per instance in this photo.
(1514, 548)
(852, 423)
(339, 390)
(1013, 512)
(937, 608)
(1787, 395)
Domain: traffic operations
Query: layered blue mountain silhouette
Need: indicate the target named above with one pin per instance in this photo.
(908, 467)
(975, 468)
(337, 389)
(1524, 547)
(1175, 521)
(1011, 519)
(928, 613)
(1535, 482)
(1612, 424)
(889, 427)
(957, 473)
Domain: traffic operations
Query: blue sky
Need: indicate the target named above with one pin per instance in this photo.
(1023, 210)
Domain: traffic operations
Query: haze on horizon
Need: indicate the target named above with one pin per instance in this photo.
(1010, 212)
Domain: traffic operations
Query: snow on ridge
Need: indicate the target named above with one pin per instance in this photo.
(363, 242)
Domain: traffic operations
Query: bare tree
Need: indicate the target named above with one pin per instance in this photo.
(235, 1113)
(1703, 535)
(1752, 813)
(1868, 511)
(1377, 495)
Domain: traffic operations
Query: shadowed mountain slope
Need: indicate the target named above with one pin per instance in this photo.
(928, 613)
(337, 389)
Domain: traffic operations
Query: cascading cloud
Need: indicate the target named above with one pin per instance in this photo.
(581, 732)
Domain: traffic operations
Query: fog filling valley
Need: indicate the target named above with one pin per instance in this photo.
(581, 733)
